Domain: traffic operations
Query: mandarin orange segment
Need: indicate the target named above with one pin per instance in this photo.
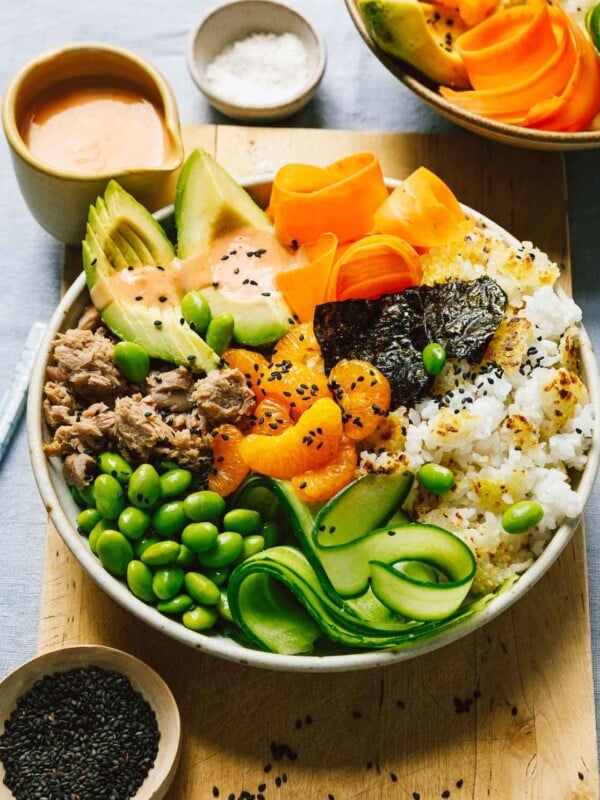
(300, 346)
(296, 384)
(271, 417)
(364, 395)
(319, 485)
(309, 444)
(228, 467)
(250, 364)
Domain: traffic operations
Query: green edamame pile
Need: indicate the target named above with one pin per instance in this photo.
(173, 543)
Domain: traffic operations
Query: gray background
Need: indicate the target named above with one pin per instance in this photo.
(357, 93)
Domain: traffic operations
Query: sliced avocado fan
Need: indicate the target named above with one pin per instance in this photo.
(208, 203)
(122, 234)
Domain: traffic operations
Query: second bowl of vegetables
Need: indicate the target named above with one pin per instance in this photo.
(346, 424)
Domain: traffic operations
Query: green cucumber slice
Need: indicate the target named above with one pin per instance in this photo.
(348, 567)
(361, 507)
(282, 598)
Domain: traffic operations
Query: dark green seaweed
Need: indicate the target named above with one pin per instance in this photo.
(392, 331)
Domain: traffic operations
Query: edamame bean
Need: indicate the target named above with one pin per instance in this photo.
(521, 516)
(139, 580)
(110, 500)
(166, 465)
(200, 536)
(167, 582)
(219, 332)
(97, 530)
(175, 482)
(434, 358)
(114, 551)
(223, 606)
(271, 533)
(418, 570)
(88, 496)
(199, 618)
(169, 519)
(160, 554)
(218, 576)
(242, 520)
(436, 478)
(144, 487)
(88, 519)
(140, 547)
(225, 551)
(115, 465)
(262, 500)
(252, 544)
(76, 495)
(201, 589)
(132, 360)
(186, 559)
(134, 522)
(196, 311)
(176, 605)
(205, 506)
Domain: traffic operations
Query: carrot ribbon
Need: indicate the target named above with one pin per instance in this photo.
(532, 66)
(422, 210)
(341, 199)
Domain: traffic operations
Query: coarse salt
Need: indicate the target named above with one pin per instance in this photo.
(263, 69)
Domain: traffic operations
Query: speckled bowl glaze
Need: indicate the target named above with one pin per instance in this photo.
(63, 510)
(60, 200)
(143, 679)
(491, 129)
(236, 20)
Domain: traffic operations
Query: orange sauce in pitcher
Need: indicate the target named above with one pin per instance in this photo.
(91, 127)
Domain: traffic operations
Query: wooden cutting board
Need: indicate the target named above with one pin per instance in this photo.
(506, 713)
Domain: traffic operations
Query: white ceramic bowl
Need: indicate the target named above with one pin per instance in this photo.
(143, 679)
(63, 510)
(489, 128)
(236, 20)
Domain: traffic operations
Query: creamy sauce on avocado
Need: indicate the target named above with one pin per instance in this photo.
(95, 128)
(243, 262)
(148, 286)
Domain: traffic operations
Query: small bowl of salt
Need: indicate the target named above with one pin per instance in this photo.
(256, 59)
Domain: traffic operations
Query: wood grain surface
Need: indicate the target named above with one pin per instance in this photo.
(506, 713)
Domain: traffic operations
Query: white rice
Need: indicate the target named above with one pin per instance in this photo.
(509, 432)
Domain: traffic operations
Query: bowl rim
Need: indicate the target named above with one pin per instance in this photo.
(513, 134)
(315, 77)
(140, 674)
(169, 109)
(223, 647)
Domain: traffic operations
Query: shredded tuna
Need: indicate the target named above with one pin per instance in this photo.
(171, 390)
(190, 450)
(84, 361)
(59, 404)
(90, 432)
(79, 470)
(90, 319)
(223, 397)
(139, 428)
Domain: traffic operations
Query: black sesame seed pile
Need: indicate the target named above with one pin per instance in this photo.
(84, 733)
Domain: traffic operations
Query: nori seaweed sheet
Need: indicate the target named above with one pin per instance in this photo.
(392, 331)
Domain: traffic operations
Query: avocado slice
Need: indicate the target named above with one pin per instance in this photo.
(121, 234)
(258, 320)
(208, 203)
(422, 34)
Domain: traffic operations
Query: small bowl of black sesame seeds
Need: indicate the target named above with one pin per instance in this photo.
(89, 722)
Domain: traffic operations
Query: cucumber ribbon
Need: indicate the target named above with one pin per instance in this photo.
(347, 580)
